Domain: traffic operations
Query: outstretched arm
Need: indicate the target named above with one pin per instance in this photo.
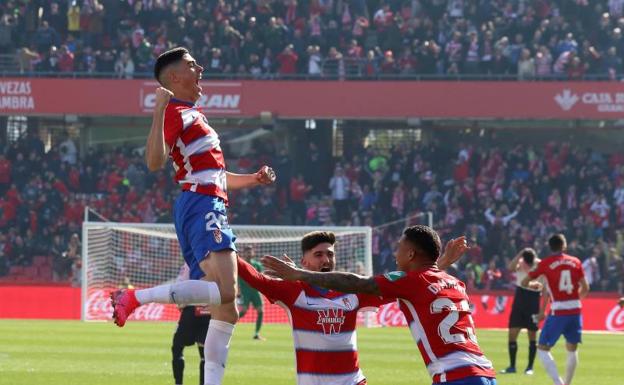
(156, 149)
(344, 282)
(264, 176)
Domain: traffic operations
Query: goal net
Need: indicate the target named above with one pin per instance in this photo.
(118, 255)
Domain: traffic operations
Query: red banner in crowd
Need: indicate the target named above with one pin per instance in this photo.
(324, 99)
(489, 311)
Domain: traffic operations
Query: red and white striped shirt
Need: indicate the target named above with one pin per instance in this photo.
(437, 311)
(323, 324)
(195, 150)
(563, 275)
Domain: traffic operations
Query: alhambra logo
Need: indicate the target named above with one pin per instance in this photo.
(331, 320)
(566, 99)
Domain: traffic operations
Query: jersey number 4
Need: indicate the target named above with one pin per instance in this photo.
(565, 282)
(444, 329)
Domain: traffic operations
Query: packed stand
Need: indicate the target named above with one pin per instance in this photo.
(529, 39)
(502, 199)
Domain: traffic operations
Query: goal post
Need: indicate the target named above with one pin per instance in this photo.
(142, 255)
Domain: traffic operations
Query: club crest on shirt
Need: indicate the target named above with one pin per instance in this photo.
(217, 236)
(331, 320)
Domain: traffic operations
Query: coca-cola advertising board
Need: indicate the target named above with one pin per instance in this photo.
(488, 310)
(323, 99)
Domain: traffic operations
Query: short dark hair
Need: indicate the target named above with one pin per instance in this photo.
(167, 58)
(426, 239)
(315, 238)
(557, 242)
(529, 255)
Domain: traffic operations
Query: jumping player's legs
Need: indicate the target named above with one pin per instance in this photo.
(220, 267)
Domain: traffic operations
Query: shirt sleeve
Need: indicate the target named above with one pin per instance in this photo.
(394, 284)
(272, 288)
(172, 125)
(374, 301)
(539, 270)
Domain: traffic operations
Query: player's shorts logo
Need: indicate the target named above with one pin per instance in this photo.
(217, 236)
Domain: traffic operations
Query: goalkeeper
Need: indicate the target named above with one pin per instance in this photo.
(249, 295)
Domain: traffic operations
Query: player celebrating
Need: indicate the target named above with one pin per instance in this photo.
(567, 285)
(434, 303)
(181, 131)
(323, 321)
(192, 328)
(524, 310)
(249, 295)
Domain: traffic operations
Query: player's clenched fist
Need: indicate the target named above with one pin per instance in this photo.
(265, 175)
(163, 96)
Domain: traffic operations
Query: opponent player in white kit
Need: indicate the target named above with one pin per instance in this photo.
(435, 305)
(181, 132)
(566, 285)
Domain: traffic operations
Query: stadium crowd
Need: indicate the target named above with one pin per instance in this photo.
(332, 38)
(502, 198)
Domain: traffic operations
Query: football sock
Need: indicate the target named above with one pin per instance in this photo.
(216, 351)
(550, 366)
(513, 350)
(532, 351)
(192, 292)
(177, 363)
(259, 321)
(571, 366)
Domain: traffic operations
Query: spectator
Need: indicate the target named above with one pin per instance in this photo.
(526, 66)
(339, 185)
(124, 66)
(287, 61)
(65, 60)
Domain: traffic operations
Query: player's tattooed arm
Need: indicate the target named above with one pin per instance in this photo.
(344, 282)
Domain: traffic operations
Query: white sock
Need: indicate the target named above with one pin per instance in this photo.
(571, 366)
(550, 366)
(192, 292)
(216, 350)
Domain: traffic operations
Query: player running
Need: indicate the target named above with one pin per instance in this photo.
(525, 309)
(192, 328)
(181, 131)
(566, 285)
(249, 295)
(434, 303)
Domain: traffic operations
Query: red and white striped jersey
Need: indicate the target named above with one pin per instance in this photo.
(563, 274)
(195, 150)
(323, 323)
(437, 311)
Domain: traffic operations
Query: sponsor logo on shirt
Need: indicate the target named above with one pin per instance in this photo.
(331, 320)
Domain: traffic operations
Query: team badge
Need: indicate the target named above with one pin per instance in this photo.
(217, 236)
(394, 275)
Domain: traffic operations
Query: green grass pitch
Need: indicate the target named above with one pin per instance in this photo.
(77, 353)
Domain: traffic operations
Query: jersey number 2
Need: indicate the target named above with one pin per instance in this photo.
(565, 282)
(444, 329)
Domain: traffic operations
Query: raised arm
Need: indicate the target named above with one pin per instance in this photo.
(264, 176)
(453, 250)
(344, 282)
(156, 149)
(272, 288)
